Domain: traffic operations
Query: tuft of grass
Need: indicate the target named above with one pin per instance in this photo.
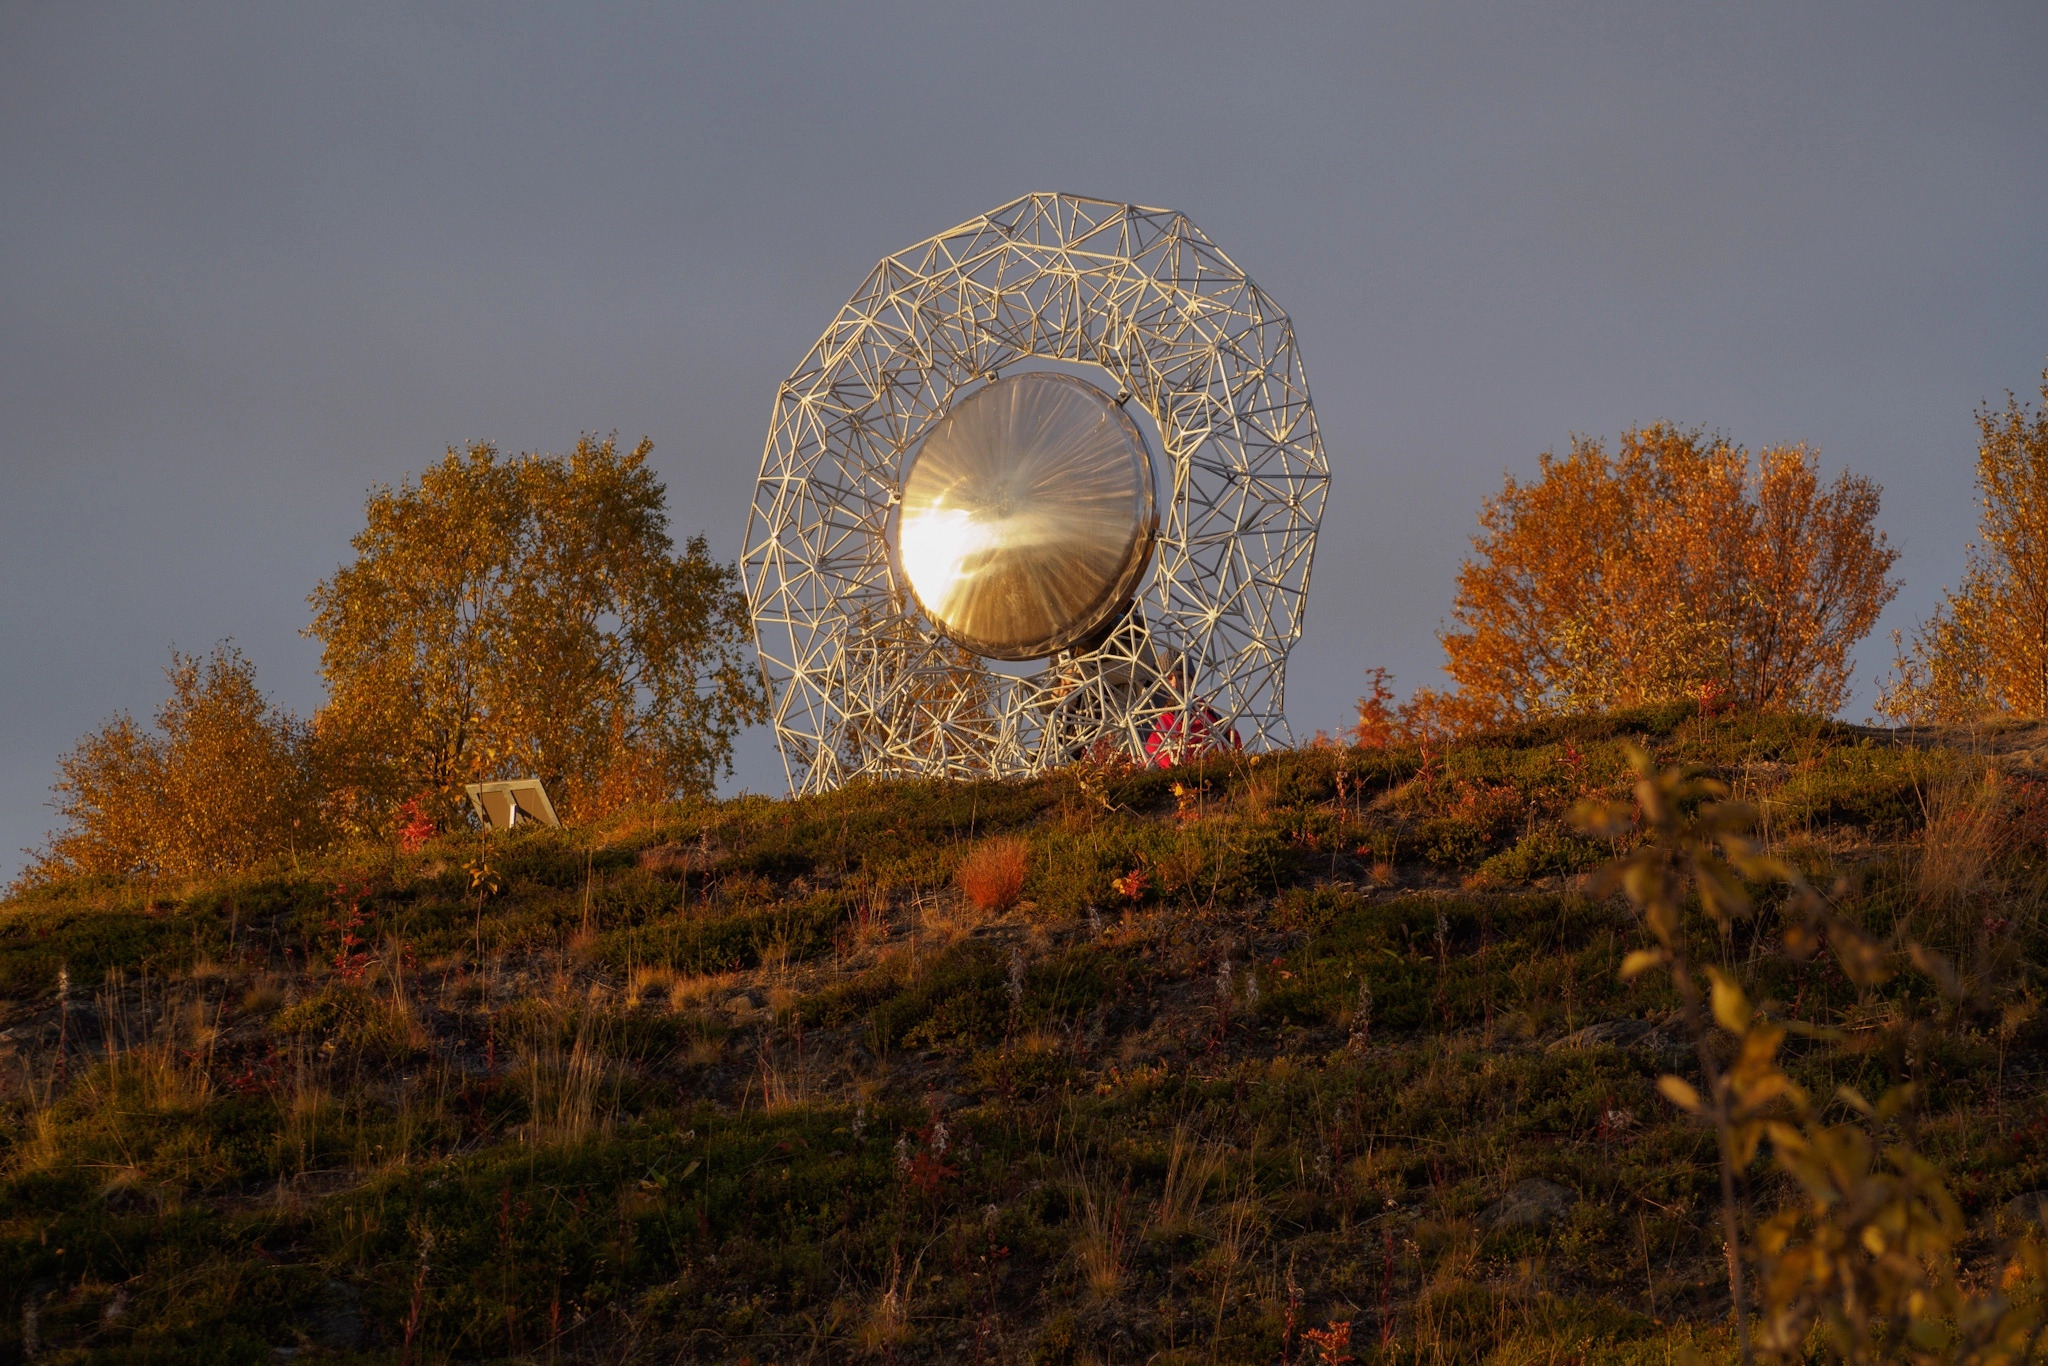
(1190, 1168)
(568, 1090)
(1100, 1233)
(992, 876)
(1958, 845)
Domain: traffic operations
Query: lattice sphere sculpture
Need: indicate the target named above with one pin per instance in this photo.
(966, 558)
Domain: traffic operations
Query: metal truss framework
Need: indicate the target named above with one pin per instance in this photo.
(862, 685)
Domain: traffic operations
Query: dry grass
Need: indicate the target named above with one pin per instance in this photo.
(868, 925)
(781, 1080)
(156, 1057)
(1190, 1167)
(266, 993)
(992, 876)
(1236, 1229)
(1099, 1239)
(887, 1323)
(648, 979)
(308, 1110)
(1957, 848)
(943, 919)
(885, 1326)
(44, 1144)
(581, 944)
(566, 1090)
(159, 1078)
(702, 991)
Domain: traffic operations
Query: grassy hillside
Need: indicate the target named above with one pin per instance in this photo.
(1321, 1038)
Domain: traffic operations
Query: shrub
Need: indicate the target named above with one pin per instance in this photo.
(992, 877)
(1541, 853)
(371, 1025)
(224, 782)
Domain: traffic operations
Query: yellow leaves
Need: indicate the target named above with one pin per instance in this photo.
(1937, 967)
(1662, 918)
(1602, 820)
(1681, 1093)
(1802, 942)
(1789, 1141)
(1768, 1085)
(1643, 880)
(531, 616)
(1894, 1102)
(1861, 1261)
(483, 880)
(1981, 652)
(1641, 961)
(1721, 895)
(1731, 1006)
(2027, 1266)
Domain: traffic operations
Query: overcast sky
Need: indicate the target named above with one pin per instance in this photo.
(255, 260)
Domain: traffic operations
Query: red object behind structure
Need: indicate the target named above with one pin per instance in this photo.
(1160, 745)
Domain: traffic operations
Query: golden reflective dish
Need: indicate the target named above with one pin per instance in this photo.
(1027, 516)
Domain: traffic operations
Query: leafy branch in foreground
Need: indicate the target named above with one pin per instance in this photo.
(1860, 1261)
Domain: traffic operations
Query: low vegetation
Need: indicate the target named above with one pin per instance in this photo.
(1326, 1055)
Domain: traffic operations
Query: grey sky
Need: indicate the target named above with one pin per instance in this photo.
(254, 260)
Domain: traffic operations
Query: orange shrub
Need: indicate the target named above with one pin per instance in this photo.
(992, 877)
(1673, 565)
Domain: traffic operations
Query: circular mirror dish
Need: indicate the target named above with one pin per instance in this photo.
(1027, 516)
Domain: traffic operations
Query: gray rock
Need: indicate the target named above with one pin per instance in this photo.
(338, 1323)
(1531, 1203)
(1644, 1034)
(681, 858)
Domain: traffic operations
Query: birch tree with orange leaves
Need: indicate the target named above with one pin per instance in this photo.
(1674, 567)
(1984, 652)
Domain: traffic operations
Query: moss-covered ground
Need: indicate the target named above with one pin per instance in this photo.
(1330, 1037)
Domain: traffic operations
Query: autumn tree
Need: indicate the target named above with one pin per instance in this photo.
(224, 782)
(529, 616)
(1674, 567)
(1984, 652)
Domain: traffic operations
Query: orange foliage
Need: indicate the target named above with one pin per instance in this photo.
(1376, 718)
(224, 782)
(992, 877)
(1427, 718)
(1671, 569)
(1985, 649)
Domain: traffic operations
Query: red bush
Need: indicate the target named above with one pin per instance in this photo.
(992, 877)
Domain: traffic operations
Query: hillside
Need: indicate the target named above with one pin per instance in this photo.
(1325, 1037)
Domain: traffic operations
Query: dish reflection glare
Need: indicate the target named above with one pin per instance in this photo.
(1027, 516)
